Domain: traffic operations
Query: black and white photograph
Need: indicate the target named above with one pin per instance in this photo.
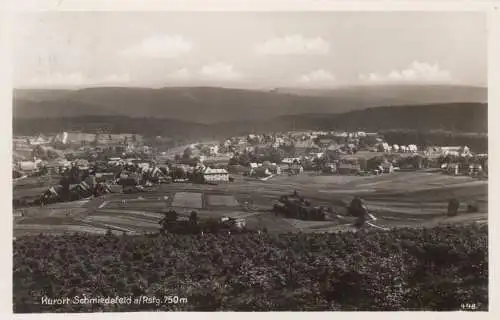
(249, 161)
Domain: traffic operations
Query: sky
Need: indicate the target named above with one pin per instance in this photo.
(248, 49)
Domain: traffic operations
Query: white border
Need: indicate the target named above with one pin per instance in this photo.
(240, 5)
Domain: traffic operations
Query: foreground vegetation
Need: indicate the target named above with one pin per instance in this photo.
(403, 269)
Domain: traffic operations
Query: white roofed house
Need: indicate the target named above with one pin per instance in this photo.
(28, 166)
(214, 176)
(451, 150)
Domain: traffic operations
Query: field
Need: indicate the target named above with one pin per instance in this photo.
(399, 199)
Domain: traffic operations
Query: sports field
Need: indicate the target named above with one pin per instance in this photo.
(399, 199)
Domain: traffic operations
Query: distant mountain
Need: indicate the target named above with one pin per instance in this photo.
(389, 95)
(454, 117)
(210, 105)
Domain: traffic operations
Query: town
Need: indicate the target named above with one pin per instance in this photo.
(96, 163)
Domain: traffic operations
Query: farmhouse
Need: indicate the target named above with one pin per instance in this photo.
(215, 175)
(29, 166)
(387, 167)
(475, 169)
(452, 150)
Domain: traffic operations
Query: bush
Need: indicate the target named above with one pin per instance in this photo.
(403, 269)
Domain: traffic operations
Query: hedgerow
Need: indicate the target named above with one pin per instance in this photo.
(403, 269)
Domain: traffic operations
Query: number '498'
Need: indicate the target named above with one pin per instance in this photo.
(468, 306)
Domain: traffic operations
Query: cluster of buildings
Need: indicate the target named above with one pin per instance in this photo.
(126, 157)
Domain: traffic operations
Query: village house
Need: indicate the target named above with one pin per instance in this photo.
(214, 176)
(303, 147)
(475, 169)
(387, 167)
(29, 166)
(451, 150)
(326, 142)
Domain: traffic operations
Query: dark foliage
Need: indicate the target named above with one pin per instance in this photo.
(403, 269)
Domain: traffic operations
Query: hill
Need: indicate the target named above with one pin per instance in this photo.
(457, 117)
(389, 95)
(460, 117)
(210, 105)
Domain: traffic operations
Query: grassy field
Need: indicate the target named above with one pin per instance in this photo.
(400, 199)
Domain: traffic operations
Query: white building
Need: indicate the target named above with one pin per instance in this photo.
(215, 175)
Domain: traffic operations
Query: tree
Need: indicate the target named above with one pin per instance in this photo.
(178, 158)
(233, 161)
(363, 163)
(374, 162)
(193, 217)
(367, 141)
(187, 154)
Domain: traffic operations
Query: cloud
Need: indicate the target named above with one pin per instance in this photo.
(58, 79)
(317, 77)
(181, 74)
(115, 79)
(76, 79)
(293, 45)
(415, 72)
(159, 47)
(219, 71)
